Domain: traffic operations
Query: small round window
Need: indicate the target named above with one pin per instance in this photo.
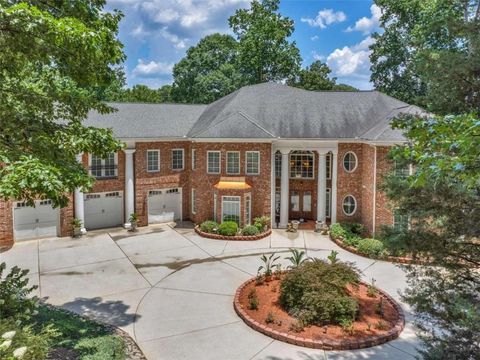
(349, 205)
(350, 161)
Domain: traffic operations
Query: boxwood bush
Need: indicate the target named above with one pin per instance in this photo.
(250, 230)
(371, 247)
(228, 228)
(316, 292)
(209, 226)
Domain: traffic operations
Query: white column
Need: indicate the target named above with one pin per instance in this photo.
(78, 202)
(272, 189)
(334, 187)
(284, 183)
(129, 186)
(321, 186)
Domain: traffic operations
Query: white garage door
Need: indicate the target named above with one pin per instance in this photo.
(164, 205)
(103, 210)
(33, 222)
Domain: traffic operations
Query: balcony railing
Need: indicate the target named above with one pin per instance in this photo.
(104, 171)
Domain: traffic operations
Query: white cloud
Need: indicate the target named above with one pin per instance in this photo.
(315, 38)
(351, 64)
(177, 42)
(152, 69)
(317, 56)
(325, 17)
(367, 25)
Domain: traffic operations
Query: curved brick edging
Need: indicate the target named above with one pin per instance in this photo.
(325, 344)
(236, 237)
(394, 259)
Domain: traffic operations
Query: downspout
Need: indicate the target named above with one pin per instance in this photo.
(374, 190)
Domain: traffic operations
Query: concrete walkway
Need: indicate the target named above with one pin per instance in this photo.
(172, 290)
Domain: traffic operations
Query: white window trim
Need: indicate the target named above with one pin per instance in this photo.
(356, 205)
(183, 159)
(246, 162)
(356, 161)
(115, 163)
(158, 164)
(248, 219)
(329, 161)
(194, 159)
(239, 206)
(301, 178)
(239, 163)
(219, 162)
(194, 201)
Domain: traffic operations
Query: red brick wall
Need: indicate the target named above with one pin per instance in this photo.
(384, 214)
(368, 186)
(6, 224)
(349, 183)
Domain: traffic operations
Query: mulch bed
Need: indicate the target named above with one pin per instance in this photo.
(331, 337)
(235, 238)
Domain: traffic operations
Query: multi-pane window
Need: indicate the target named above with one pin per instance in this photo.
(177, 159)
(194, 159)
(400, 220)
(349, 205)
(350, 161)
(103, 168)
(233, 162)
(213, 162)
(253, 162)
(231, 208)
(329, 166)
(278, 165)
(301, 165)
(248, 209)
(328, 203)
(194, 201)
(402, 170)
(153, 160)
(307, 201)
(295, 201)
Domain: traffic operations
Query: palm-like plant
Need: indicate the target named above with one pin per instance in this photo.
(268, 264)
(333, 257)
(298, 258)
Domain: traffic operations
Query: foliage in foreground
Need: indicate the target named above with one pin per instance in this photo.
(351, 235)
(316, 292)
(442, 198)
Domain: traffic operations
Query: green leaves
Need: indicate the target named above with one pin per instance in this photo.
(53, 61)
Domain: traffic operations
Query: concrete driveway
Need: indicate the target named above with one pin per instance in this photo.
(172, 290)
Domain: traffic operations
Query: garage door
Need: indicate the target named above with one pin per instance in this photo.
(103, 210)
(33, 222)
(164, 205)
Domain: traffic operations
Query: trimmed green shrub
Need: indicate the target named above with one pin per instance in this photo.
(209, 226)
(352, 240)
(250, 230)
(228, 228)
(337, 231)
(371, 247)
(261, 222)
(354, 228)
(316, 292)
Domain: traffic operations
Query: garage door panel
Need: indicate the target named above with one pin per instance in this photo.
(103, 210)
(165, 205)
(33, 222)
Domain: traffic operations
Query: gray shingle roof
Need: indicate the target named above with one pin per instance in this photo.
(264, 111)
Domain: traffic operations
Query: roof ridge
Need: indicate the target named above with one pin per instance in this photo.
(248, 118)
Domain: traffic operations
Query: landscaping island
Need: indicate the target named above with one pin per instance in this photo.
(318, 304)
(229, 230)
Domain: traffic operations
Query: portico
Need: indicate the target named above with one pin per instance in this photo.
(304, 181)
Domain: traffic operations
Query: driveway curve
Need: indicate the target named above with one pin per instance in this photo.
(173, 290)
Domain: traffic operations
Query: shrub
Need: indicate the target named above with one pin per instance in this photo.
(261, 222)
(209, 226)
(337, 231)
(270, 319)
(253, 300)
(371, 247)
(316, 292)
(352, 240)
(268, 265)
(14, 294)
(250, 230)
(298, 258)
(354, 228)
(228, 228)
(347, 326)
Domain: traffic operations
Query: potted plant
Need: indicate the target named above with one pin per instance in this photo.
(133, 221)
(77, 227)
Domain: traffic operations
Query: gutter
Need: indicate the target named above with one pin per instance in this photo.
(374, 191)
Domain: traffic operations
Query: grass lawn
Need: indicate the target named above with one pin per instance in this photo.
(79, 338)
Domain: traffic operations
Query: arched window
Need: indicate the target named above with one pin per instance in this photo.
(350, 161)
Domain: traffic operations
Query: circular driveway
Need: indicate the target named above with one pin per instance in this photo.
(173, 290)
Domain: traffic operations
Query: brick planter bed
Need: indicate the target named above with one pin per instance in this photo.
(314, 336)
(394, 259)
(235, 238)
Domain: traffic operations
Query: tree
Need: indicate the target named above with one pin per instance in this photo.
(429, 53)
(442, 199)
(314, 77)
(344, 87)
(208, 71)
(142, 94)
(264, 52)
(55, 57)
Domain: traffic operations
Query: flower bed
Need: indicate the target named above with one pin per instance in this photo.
(272, 320)
(234, 237)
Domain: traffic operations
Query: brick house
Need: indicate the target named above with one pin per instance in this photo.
(266, 149)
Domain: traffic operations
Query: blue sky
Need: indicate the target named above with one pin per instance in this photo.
(157, 33)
